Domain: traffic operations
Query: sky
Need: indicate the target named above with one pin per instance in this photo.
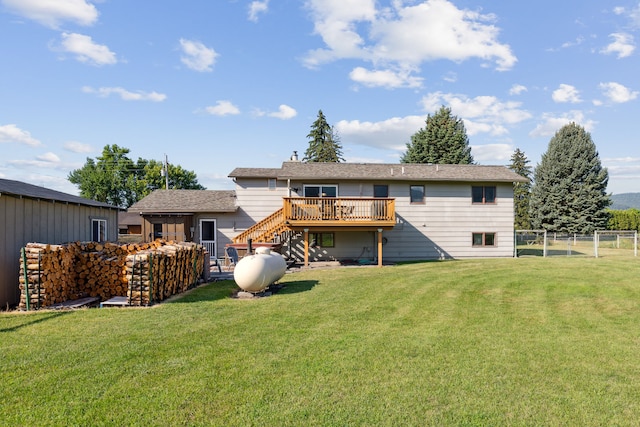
(212, 85)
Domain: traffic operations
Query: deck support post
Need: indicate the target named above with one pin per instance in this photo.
(379, 247)
(306, 247)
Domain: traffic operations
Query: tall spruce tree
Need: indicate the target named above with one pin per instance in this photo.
(324, 144)
(444, 140)
(521, 190)
(569, 190)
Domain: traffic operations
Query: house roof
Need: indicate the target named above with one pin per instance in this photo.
(382, 171)
(22, 189)
(129, 218)
(186, 201)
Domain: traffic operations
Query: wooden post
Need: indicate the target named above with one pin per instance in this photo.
(379, 247)
(306, 247)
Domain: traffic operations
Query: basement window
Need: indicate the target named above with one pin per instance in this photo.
(323, 240)
(484, 239)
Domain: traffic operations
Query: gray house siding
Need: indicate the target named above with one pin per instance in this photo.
(256, 201)
(443, 226)
(440, 228)
(26, 219)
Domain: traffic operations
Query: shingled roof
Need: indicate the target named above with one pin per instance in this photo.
(382, 171)
(22, 189)
(186, 202)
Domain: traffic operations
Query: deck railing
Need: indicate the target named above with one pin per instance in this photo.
(341, 209)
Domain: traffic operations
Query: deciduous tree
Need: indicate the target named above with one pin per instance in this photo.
(115, 179)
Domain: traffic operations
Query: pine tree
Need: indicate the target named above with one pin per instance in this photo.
(569, 190)
(324, 144)
(521, 190)
(444, 140)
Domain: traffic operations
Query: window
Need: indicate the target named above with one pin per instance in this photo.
(99, 230)
(484, 239)
(322, 239)
(380, 190)
(417, 193)
(272, 183)
(320, 191)
(483, 194)
(157, 231)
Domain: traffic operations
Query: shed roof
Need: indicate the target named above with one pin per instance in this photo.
(129, 218)
(382, 171)
(22, 189)
(186, 201)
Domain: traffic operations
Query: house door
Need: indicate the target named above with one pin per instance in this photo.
(208, 232)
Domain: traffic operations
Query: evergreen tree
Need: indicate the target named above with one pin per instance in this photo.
(521, 190)
(324, 144)
(444, 140)
(115, 179)
(569, 190)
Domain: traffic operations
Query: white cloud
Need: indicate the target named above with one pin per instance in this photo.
(517, 89)
(86, 50)
(622, 45)
(197, 56)
(52, 13)
(551, 124)
(566, 93)
(222, 108)
(633, 14)
(492, 153)
(284, 113)
(405, 34)
(393, 133)
(77, 147)
(126, 95)
(256, 8)
(482, 114)
(384, 78)
(49, 157)
(617, 93)
(12, 133)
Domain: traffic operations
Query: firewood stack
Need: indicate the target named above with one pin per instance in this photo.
(99, 269)
(47, 273)
(156, 274)
(144, 272)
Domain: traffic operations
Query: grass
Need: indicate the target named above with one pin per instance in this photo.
(528, 341)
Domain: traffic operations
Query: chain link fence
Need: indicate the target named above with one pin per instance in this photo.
(603, 243)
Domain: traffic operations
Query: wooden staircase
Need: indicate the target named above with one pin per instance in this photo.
(264, 230)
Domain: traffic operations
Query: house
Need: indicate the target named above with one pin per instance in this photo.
(351, 212)
(188, 216)
(364, 212)
(30, 213)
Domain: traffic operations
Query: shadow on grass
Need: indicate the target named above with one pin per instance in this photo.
(550, 252)
(297, 286)
(29, 320)
(226, 288)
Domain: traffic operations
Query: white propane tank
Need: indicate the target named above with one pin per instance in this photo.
(254, 273)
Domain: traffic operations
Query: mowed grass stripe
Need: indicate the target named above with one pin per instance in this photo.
(526, 341)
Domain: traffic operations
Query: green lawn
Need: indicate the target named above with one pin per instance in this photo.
(527, 341)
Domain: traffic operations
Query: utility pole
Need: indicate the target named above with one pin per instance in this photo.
(165, 172)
